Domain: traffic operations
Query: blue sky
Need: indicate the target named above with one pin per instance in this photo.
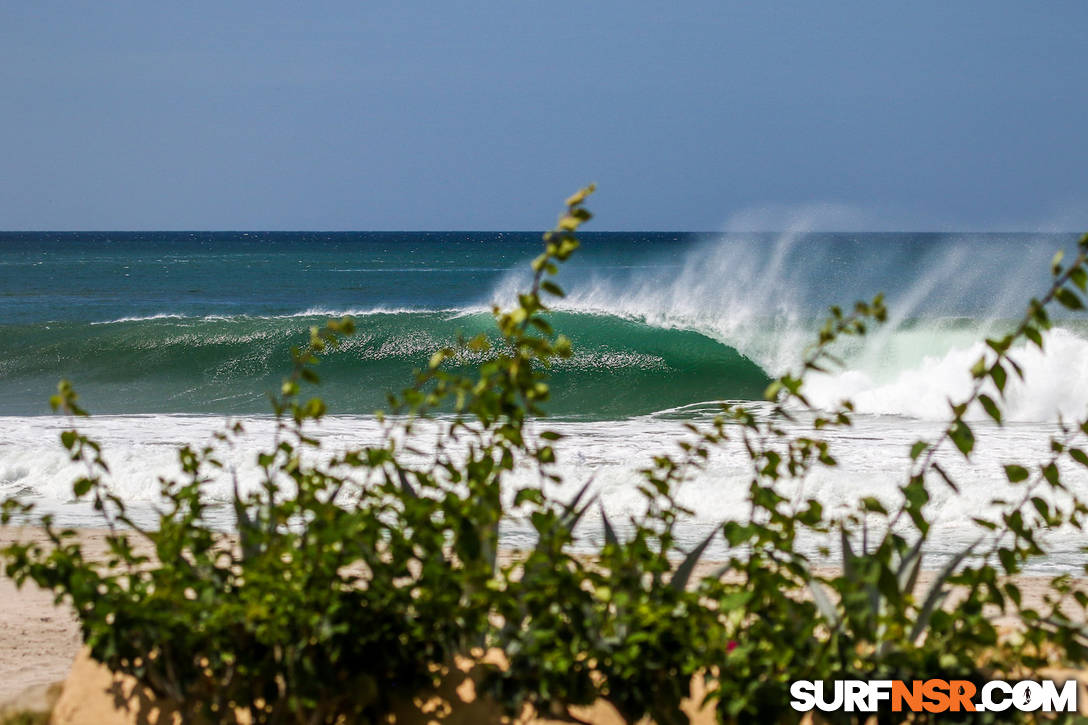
(484, 115)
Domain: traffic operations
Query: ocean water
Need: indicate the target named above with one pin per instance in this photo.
(166, 335)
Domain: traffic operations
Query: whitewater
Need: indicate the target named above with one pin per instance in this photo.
(663, 325)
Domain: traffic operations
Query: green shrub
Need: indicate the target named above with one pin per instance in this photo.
(351, 581)
(356, 581)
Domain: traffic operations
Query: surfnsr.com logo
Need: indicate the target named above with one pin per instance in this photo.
(933, 696)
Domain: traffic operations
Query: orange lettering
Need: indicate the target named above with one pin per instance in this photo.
(935, 691)
(961, 693)
(913, 696)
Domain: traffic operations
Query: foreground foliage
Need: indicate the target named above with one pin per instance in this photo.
(356, 578)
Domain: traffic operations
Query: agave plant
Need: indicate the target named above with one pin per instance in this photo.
(878, 597)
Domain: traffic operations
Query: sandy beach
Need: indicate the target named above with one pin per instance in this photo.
(40, 638)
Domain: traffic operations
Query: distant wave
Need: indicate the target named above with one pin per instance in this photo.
(142, 318)
(310, 312)
(397, 270)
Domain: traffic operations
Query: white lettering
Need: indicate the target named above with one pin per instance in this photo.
(834, 704)
(1064, 701)
(1027, 696)
(879, 690)
(856, 699)
(802, 693)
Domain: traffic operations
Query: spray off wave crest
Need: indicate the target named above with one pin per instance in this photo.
(765, 296)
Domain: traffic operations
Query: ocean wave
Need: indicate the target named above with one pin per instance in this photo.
(715, 322)
(626, 363)
(620, 367)
(765, 297)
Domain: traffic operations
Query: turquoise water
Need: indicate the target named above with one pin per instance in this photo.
(202, 322)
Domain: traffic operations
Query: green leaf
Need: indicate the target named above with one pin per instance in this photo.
(1069, 299)
(1008, 560)
(962, 435)
(991, 407)
(405, 486)
(909, 566)
(609, 533)
(867, 503)
(552, 288)
(81, 487)
(936, 593)
(683, 572)
(1033, 334)
(979, 368)
(848, 567)
(580, 196)
(571, 513)
(1042, 507)
(1079, 278)
(1016, 473)
(1056, 262)
(541, 324)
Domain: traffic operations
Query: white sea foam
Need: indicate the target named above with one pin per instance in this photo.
(1055, 383)
(872, 458)
(142, 318)
(309, 312)
(747, 292)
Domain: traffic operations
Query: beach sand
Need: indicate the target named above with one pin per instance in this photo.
(38, 638)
